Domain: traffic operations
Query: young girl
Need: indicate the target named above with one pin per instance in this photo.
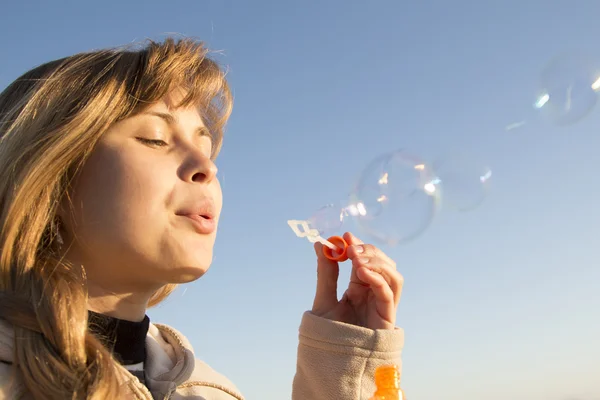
(108, 199)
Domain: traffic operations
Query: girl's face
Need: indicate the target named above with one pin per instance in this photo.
(146, 205)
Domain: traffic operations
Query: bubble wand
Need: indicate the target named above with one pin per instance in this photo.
(336, 248)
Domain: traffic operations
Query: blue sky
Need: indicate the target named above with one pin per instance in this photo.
(498, 303)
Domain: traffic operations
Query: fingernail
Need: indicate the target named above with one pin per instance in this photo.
(359, 249)
(362, 260)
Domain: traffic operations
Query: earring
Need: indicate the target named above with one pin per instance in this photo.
(58, 238)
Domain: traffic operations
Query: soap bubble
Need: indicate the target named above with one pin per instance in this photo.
(394, 199)
(463, 179)
(568, 89)
(327, 220)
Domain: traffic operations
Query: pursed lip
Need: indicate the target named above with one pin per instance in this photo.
(202, 217)
(201, 224)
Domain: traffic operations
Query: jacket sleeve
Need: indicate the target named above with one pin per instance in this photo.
(338, 360)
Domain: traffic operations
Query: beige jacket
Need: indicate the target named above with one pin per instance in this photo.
(336, 361)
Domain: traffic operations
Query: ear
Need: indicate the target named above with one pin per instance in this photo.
(63, 218)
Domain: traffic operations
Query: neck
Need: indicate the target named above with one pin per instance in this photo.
(109, 294)
(126, 306)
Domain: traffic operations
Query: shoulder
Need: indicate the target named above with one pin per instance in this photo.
(205, 381)
(201, 380)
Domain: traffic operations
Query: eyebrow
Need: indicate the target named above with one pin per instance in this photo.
(172, 120)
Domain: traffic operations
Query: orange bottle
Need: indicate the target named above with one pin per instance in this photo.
(387, 381)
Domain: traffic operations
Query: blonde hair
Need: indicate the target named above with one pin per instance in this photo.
(50, 119)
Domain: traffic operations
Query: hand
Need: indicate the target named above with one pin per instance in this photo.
(373, 293)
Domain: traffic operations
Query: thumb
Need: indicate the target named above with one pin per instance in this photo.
(327, 277)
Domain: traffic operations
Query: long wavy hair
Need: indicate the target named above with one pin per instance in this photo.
(50, 119)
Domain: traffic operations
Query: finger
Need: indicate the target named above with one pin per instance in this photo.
(384, 297)
(353, 241)
(362, 254)
(358, 248)
(327, 276)
(369, 256)
(393, 278)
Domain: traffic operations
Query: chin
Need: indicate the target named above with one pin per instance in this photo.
(190, 273)
(187, 275)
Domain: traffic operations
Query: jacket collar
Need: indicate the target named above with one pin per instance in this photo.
(170, 359)
(170, 362)
(7, 339)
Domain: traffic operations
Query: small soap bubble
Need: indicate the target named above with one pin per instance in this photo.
(394, 199)
(568, 89)
(327, 220)
(463, 181)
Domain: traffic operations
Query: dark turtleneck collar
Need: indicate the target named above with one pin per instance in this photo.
(126, 339)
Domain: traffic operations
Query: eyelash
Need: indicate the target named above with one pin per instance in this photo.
(152, 142)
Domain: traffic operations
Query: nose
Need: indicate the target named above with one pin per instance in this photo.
(198, 168)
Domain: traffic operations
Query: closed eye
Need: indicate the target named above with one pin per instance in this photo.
(152, 142)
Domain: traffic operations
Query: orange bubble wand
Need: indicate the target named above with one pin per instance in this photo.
(336, 248)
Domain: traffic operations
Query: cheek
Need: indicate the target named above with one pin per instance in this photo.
(115, 196)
